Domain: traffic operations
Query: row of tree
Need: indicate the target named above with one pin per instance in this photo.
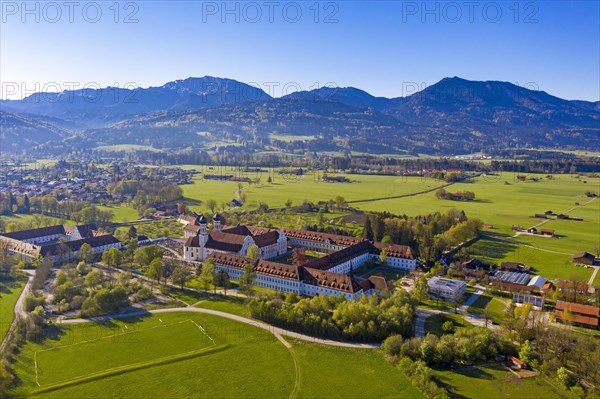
(371, 318)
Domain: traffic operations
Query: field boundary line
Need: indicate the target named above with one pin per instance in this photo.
(129, 368)
(204, 332)
(412, 194)
(113, 336)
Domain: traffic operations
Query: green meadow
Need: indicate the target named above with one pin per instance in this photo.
(10, 290)
(121, 213)
(300, 188)
(333, 372)
(491, 380)
(434, 323)
(168, 355)
(548, 264)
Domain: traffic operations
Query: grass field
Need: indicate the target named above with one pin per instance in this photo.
(331, 372)
(10, 290)
(28, 218)
(493, 381)
(300, 188)
(121, 213)
(548, 264)
(497, 307)
(154, 362)
(127, 148)
(128, 345)
(434, 323)
(497, 203)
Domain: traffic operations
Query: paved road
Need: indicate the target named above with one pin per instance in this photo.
(278, 332)
(421, 316)
(591, 282)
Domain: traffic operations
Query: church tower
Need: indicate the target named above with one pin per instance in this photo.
(217, 222)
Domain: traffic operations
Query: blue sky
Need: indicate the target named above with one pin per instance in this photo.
(384, 48)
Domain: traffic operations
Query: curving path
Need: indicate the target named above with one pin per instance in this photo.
(278, 332)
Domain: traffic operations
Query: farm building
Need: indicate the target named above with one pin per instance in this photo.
(580, 315)
(584, 258)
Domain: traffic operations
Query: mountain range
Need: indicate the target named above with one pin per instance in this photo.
(453, 116)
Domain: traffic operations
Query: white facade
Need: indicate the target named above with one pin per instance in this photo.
(401, 263)
(315, 245)
(288, 285)
(446, 289)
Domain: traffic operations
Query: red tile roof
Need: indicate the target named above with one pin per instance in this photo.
(578, 308)
(315, 236)
(225, 241)
(266, 239)
(336, 281)
(577, 318)
(230, 260)
(395, 250)
(280, 270)
(341, 256)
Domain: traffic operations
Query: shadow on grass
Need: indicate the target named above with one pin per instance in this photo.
(8, 284)
(448, 387)
(481, 302)
(474, 372)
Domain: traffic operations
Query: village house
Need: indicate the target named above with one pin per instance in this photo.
(585, 258)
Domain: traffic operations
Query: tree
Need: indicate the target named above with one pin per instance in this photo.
(448, 327)
(457, 302)
(181, 208)
(112, 256)
(340, 202)
(564, 377)
(26, 205)
(211, 204)
(156, 270)
(420, 288)
(132, 233)
(207, 275)
(525, 352)
(247, 279)
(383, 257)
(253, 252)
(487, 313)
(92, 279)
(180, 275)
(288, 204)
(145, 255)
(368, 229)
(222, 279)
(86, 253)
(6, 379)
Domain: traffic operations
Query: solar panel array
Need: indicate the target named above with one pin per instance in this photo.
(514, 277)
